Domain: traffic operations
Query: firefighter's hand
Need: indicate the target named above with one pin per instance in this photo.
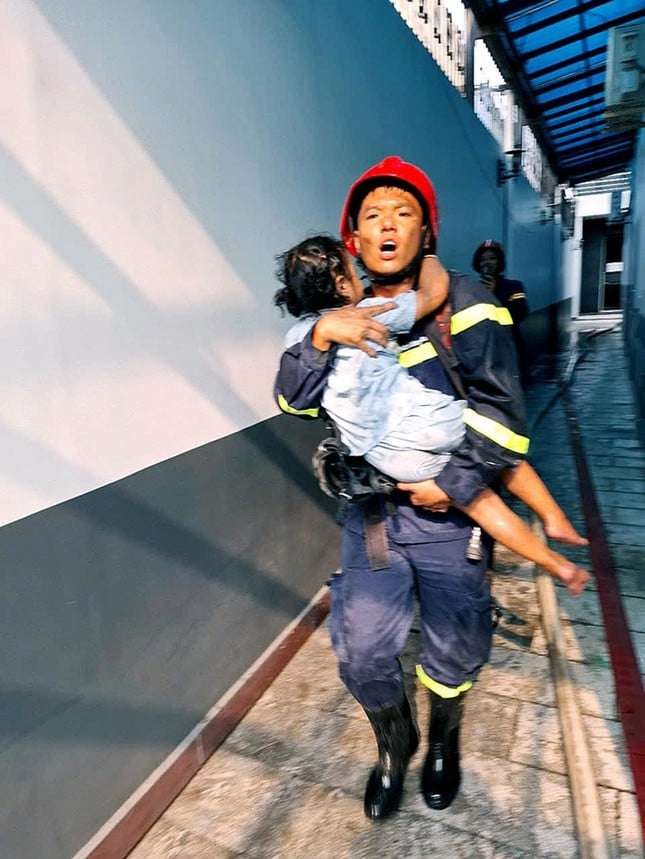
(427, 494)
(352, 326)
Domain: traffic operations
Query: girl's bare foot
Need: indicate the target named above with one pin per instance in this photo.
(559, 528)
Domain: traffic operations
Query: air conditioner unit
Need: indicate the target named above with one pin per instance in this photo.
(625, 77)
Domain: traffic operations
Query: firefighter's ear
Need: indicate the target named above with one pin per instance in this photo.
(357, 242)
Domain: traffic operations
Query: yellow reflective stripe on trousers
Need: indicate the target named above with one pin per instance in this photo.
(501, 435)
(463, 319)
(284, 405)
(417, 355)
(438, 688)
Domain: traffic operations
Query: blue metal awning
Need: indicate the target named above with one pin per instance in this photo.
(555, 53)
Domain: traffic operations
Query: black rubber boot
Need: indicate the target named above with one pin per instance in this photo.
(441, 773)
(397, 739)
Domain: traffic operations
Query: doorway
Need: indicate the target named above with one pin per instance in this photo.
(602, 266)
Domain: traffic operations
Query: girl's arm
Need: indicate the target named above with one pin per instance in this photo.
(304, 366)
(432, 288)
(498, 520)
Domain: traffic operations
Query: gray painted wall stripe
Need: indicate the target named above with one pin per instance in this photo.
(129, 611)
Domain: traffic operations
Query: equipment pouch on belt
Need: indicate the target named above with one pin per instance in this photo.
(344, 477)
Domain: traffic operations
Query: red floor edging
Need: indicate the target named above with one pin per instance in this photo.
(630, 697)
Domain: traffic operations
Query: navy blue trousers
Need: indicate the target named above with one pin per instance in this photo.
(372, 612)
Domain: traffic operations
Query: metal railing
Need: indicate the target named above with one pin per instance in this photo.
(436, 28)
(441, 25)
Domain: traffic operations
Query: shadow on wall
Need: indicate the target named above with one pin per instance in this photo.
(96, 718)
(128, 304)
(128, 612)
(203, 539)
(173, 332)
(634, 328)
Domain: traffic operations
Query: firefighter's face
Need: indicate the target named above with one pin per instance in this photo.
(389, 229)
(488, 264)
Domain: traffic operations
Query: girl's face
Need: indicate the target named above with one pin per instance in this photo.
(349, 285)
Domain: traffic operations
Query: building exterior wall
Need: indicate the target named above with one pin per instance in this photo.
(160, 525)
(634, 280)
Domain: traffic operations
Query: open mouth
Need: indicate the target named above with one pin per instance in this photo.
(388, 247)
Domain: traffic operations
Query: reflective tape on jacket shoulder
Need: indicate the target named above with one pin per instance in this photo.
(303, 413)
(469, 316)
(417, 355)
(500, 434)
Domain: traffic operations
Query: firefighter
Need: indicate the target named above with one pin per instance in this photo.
(415, 544)
(489, 261)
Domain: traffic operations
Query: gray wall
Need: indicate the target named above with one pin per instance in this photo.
(160, 525)
(634, 281)
(129, 611)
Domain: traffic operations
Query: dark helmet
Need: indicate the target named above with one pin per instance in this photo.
(490, 245)
(401, 174)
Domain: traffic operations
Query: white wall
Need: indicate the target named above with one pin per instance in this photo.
(154, 156)
(572, 266)
(587, 206)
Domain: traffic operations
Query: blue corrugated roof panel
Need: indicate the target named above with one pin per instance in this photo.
(556, 51)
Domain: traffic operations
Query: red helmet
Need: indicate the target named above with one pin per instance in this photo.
(401, 174)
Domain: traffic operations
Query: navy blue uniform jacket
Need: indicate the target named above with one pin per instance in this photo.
(482, 343)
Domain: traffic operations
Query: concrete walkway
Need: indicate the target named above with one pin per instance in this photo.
(289, 780)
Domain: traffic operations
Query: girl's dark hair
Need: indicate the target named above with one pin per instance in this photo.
(308, 272)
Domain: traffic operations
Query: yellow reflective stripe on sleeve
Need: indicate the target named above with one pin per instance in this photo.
(501, 435)
(469, 316)
(438, 688)
(284, 405)
(417, 355)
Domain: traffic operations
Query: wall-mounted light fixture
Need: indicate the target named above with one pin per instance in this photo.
(509, 168)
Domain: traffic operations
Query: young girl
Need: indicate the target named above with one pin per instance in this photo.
(397, 424)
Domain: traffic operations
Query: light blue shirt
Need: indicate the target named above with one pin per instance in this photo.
(368, 397)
